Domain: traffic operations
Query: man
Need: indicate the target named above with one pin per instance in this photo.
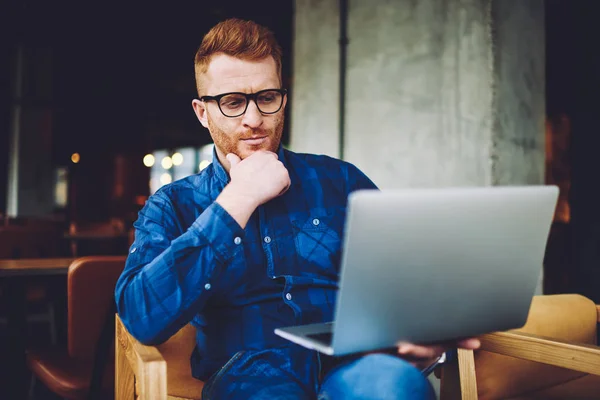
(253, 243)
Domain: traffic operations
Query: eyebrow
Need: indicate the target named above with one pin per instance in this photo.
(243, 92)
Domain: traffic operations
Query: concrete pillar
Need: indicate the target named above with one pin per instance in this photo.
(30, 172)
(438, 92)
(315, 105)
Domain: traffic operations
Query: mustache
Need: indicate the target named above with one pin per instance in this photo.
(250, 133)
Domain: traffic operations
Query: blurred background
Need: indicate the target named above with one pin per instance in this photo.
(97, 87)
(95, 108)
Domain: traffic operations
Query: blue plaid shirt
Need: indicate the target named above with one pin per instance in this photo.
(191, 261)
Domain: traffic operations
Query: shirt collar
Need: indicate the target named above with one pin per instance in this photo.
(220, 172)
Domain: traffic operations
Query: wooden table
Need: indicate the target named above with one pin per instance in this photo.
(34, 267)
(13, 277)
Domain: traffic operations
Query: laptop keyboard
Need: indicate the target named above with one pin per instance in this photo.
(324, 337)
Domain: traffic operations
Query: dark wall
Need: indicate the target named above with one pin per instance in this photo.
(123, 80)
(126, 78)
(7, 35)
(4, 123)
(573, 88)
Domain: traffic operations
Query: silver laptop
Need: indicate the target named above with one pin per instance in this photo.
(432, 265)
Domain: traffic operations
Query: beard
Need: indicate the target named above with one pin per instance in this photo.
(232, 142)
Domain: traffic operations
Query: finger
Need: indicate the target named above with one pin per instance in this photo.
(269, 153)
(285, 189)
(233, 159)
(417, 351)
(469, 344)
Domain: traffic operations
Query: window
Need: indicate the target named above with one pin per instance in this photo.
(171, 165)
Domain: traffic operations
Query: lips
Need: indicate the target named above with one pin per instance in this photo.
(255, 140)
(255, 137)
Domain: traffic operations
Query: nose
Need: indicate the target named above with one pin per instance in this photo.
(252, 117)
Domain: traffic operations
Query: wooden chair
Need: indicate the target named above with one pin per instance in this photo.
(155, 372)
(518, 364)
(68, 372)
(554, 356)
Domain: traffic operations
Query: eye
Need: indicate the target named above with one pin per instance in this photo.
(269, 97)
(233, 102)
(266, 98)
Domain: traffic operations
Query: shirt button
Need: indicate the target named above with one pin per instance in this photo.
(207, 286)
(288, 296)
(316, 222)
(133, 250)
(237, 240)
(267, 239)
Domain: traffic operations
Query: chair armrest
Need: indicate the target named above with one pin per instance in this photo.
(137, 367)
(577, 357)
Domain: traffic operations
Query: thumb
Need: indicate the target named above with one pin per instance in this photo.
(233, 159)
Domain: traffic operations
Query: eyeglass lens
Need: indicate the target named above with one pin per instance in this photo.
(235, 104)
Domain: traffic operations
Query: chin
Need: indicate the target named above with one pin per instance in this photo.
(249, 150)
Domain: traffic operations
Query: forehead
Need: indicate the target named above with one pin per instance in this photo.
(231, 74)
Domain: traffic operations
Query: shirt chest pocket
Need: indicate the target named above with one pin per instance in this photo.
(317, 237)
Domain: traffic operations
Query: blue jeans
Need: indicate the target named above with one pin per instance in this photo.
(295, 373)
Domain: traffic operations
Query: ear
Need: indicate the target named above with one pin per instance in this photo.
(201, 112)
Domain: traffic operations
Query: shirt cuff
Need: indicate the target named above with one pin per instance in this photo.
(220, 230)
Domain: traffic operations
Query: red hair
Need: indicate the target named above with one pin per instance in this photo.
(237, 38)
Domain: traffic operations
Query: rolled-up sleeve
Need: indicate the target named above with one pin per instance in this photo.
(168, 275)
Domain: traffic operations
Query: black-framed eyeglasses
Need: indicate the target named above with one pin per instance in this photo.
(234, 104)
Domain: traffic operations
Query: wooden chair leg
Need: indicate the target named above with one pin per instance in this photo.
(466, 369)
(458, 377)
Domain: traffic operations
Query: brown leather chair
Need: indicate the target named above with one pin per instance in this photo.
(554, 356)
(68, 372)
(156, 372)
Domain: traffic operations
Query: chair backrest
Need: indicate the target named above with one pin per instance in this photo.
(91, 284)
